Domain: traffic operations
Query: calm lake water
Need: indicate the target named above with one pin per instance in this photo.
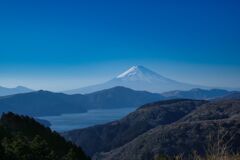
(67, 122)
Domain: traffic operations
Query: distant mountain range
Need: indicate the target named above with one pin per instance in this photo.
(9, 91)
(139, 78)
(43, 103)
(173, 127)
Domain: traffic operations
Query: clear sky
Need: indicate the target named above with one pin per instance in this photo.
(58, 45)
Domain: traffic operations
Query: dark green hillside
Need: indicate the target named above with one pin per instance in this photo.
(22, 138)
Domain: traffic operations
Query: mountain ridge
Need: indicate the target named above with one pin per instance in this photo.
(197, 93)
(43, 103)
(4, 91)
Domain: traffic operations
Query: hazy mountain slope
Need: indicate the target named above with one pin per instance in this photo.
(119, 97)
(189, 134)
(9, 91)
(231, 96)
(22, 138)
(197, 93)
(42, 103)
(138, 78)
(117, 133)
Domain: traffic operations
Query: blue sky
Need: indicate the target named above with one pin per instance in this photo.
(60, 45)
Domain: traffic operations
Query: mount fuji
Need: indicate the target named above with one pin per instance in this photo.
(138, 78)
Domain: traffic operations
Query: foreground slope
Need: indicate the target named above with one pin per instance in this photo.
(22, 138)
(117, 133)
(216, 122)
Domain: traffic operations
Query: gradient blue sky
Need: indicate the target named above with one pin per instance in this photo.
(58, 45)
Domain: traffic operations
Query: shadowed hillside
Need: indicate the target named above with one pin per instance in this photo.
(212, 123)
(173, 127)
(22, 138)
(117, 133)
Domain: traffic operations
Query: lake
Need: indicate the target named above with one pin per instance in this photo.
(66, 122)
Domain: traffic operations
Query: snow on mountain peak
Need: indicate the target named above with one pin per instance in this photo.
(139, 73)
(133, 70)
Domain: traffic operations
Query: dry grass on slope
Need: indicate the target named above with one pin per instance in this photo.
(218, 149)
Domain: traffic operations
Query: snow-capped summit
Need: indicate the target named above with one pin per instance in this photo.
(132, 71)
(138, 78)
(140, 73)
(137, 72)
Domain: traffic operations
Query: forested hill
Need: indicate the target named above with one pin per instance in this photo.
(22, 138)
